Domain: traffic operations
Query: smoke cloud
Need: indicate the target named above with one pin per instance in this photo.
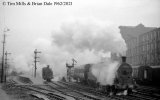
(105, 72)
(87, 41)
(89, 34)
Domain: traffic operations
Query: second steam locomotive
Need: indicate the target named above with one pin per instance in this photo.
(47, 73)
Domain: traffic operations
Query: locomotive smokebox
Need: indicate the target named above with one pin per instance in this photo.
(124, 58)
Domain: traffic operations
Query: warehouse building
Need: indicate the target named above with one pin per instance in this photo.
(131, 36)
(149, 48)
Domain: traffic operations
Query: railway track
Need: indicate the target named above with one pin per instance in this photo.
(74, 91)
(85, 95)
(150, 88)
(62, 92)
(148, 92)
(39, 89)
(45, 92)
(95, 92)
(135, 96)
(82, 88)
(53, 93)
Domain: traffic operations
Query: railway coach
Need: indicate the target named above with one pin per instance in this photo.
(146, 75)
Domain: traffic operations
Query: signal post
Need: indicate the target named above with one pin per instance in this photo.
(35, 61)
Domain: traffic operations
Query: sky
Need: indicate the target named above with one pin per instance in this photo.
(33, 22)
(29, 24)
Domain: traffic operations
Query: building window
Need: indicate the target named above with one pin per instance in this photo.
(151, 36)
(154, 45)
(155, 34)
(145, 74)
(148, 57)
(149, 47)
(143, 38)
(159, 58)
(159, 35)
(159, 46)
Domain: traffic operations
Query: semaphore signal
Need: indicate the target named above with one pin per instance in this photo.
(35, 61)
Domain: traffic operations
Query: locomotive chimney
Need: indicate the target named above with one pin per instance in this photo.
(123, 58)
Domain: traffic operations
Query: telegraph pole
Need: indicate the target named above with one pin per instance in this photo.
(4, 41)
(6, 66)
(35, 61)
(2, 72)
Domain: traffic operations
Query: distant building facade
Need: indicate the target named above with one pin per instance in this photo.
(149, 48)
(0, 71)
(131, 36)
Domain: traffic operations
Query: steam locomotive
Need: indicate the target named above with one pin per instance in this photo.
(123, 80)
(47, 73)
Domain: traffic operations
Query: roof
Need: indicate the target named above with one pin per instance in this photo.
(155, 66)
(130, 32)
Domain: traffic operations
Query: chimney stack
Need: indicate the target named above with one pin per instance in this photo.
(123, 58)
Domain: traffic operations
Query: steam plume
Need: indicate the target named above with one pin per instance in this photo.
(91, 35)
(105, 72)
(85, 40)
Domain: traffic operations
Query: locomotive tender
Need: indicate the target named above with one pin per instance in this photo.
(47, 73)
(123, 80)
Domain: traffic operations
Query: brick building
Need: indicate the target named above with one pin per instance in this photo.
(149, 48)
(131, 36)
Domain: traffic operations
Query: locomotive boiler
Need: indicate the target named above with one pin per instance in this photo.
(122, 81)
(47, 73)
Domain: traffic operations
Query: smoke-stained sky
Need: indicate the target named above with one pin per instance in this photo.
(29, 24)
